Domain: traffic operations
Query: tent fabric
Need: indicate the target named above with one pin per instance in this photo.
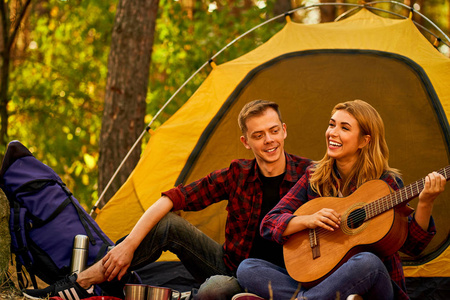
(307, 69)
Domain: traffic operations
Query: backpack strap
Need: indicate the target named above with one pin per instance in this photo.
(39, 223)
(87, 224)
(19, 246)
(22, 278)
(35, 185)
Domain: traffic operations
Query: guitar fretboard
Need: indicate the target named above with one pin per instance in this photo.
(400, 196)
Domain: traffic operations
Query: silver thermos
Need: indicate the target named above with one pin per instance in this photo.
(80, 253)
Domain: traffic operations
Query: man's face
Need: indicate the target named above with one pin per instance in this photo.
(265, 137)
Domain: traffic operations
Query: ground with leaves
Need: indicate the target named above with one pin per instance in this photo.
(9, 289)
(10, 294)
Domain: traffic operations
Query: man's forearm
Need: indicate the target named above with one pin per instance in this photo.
(148, 220)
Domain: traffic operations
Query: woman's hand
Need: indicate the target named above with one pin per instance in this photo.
(434, 185)
(326, 218)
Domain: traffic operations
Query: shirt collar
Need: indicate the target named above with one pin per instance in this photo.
(290, 175)
(291, 169)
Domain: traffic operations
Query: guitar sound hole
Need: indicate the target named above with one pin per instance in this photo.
(356, 218)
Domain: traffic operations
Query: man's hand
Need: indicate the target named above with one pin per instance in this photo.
(117, 261)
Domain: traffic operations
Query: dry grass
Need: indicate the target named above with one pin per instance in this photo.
(10, 294)
(9, 289)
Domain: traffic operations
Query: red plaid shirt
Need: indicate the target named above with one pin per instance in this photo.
(275, 222)
(241, 186)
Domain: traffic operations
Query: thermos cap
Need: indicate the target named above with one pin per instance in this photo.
(81, 241)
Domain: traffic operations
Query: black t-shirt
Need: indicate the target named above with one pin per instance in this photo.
(263, 248)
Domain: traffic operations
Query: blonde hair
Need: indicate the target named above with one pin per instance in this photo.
(372, 161)
(255, 108)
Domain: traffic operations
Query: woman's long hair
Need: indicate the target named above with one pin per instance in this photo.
(372, 161)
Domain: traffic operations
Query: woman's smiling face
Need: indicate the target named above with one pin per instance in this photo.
(343, 136)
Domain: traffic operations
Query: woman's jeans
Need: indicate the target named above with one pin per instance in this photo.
(202, 256)
(363, 274)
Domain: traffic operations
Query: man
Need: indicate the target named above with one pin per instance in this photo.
(252, 188)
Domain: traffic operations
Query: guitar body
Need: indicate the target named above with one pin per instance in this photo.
(383, 234)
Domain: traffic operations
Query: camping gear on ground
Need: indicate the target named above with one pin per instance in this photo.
(246, 296)
(307, 69)
(90, 298)
(45, 218)
(148, 292)
(80, 253)
(172, 274)
(135, 291)
(161, 293)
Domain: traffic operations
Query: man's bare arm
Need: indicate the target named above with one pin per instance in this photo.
(117, 261)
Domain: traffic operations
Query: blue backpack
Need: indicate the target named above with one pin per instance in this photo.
(45, 218)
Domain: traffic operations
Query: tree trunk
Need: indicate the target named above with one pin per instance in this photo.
(7, 38)
(4, 73)
(327, 12)
(280, 7)
(126, 90)
(5, 239)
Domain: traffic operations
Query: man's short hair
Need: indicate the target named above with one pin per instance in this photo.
(255, 108)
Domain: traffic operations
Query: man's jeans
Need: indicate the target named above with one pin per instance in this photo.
(363, 274)
(202, 256)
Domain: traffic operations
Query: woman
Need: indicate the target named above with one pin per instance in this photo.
(356, 153)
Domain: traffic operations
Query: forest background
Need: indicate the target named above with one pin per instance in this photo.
(80, 80)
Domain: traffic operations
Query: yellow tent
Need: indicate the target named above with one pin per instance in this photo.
(307, 69)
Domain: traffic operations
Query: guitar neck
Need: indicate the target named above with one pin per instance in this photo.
(403, 195)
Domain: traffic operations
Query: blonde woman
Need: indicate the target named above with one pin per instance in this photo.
(356, 153)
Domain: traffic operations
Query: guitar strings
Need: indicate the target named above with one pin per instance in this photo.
(379, 206)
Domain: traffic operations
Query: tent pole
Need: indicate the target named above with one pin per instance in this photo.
(398, 15)
(415, 11)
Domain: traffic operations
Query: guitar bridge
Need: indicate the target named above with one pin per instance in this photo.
(314, 243)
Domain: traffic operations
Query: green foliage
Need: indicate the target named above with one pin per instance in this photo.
(183, 45)
(57, 88)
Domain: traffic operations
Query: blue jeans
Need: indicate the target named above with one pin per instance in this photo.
(201, 255)
(363, 274)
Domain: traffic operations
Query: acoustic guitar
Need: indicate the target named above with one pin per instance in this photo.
(373, 218)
